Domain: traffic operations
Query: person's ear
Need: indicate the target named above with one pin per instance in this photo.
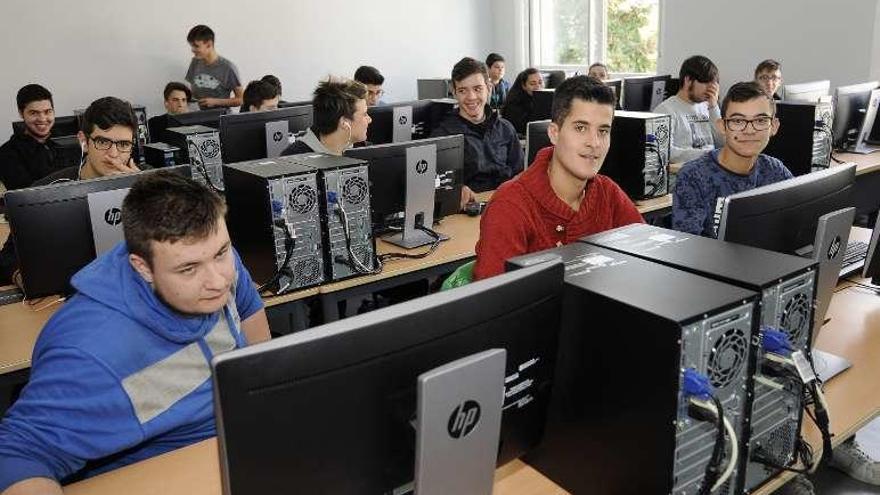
(719, 126)
(141, 266)
(774, 126)
(553, 132)
(82, 141)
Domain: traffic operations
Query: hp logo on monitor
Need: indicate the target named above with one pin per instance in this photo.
(113, 216)
(464, 419)
(277, 136)
(422, 166)
(402, 120)
(834, 248)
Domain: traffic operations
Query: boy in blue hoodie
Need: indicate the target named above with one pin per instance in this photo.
(122, 372)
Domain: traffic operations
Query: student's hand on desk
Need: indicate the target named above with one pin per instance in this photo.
(467, 196)
(209, 102)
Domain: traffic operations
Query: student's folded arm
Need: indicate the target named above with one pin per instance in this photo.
(504, 233)
(73, 410)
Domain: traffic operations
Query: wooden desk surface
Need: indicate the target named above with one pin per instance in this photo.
(195, 470)
(853, 396)
(649, 205)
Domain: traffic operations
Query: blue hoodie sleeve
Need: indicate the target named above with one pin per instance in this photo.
(71, 411)
(247, 299)
(689, 209)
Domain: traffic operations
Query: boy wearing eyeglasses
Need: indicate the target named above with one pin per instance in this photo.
(768, 74)
(373, 79)
(748, 120)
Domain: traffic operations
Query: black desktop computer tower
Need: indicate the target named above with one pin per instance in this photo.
(159, 155)
(803, 141)
(619, 420)
(638, 159)
(344, 200)
(143, 131)
(273, 217)
(201, 149)
(787, 287)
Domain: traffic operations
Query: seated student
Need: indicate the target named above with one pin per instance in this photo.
(274, 81)
(29, 156)
(212, 77)
(340, 119)
(371, 78)
(518, 108)
(492, 152)
(500, 86)
(176, 99)
(107, 139)
(769, 75)
(748, 122)
(560, 197)
(599, 71)
(122, 371)
(694, 109)
(259, 96)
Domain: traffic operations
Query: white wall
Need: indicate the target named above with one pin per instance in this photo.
(82, 50)
(814, 39)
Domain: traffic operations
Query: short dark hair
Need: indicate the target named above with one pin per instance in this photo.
(492, 58)
(368, 74)
(30, 93)
(597, 64)
(332, 100)
(177, 86)
(467, 67)
(200, 33)
(746, 91)
(698, 68)
(274, 81)
(106, 112)
(164, 206)
(256, 93)
(768, 65)
(581, 87)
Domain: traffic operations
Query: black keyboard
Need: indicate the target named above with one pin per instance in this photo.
(856, 252)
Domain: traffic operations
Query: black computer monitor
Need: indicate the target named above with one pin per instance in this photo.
(331, 409)
(52, 230)
(243, 135)
(642, 94)
(850, 106)
(542, 104)
(617, 86)
(388, 177)
(536, 138)
(381, 129)
(207, 118)
(872, 261)
(66, 125)
(552, 78)
(288, 104)
(783, 216)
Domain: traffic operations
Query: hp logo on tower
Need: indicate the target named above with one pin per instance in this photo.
(464, 419)
(113, 216)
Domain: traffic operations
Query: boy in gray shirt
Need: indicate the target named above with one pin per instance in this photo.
(211, 76)
(694, 110)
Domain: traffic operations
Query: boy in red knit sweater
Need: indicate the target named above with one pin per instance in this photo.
(560, 197)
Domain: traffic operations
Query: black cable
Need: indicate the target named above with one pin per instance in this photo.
(713, 468)
(434, 246)
(200, 166)
(661, 176)
(352, 261)
(821, 420)
(289, 246)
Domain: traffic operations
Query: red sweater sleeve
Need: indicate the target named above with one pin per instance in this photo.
(504, 231)
(624, 210)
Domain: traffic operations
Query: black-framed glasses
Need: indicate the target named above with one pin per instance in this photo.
(738, 124)
(769, 77)
(103, 144)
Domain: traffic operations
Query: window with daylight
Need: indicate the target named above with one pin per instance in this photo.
(576, 33)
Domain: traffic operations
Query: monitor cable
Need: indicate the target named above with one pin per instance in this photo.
(200, 167)
(284, 268)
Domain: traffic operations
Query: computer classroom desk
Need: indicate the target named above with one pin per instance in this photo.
(853, 397)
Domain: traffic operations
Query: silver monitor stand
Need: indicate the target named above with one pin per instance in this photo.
(832, 235)
(421, 173)
(459, 425)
